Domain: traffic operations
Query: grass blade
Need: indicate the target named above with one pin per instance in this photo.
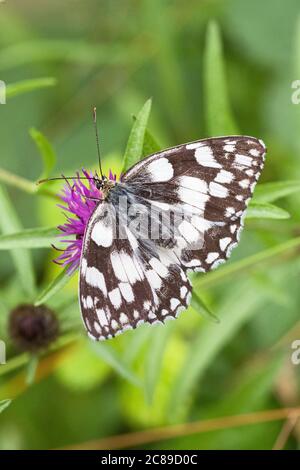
(46, 151)
(154, 359)
(211, 340)
(134, 149)
(200, 307)
(56, 285)
(29, 238)
(31, 369)
(260, 210)
(219, 118)
(230, 269)
(26, 86)
(270, 192)
(4, 404)
(9, 223)
(108, 355)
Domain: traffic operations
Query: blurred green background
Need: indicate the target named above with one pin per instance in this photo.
(116, 54)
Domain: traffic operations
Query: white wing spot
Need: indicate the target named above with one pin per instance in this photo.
(224, 177)
(217, 190)
(160, 170)
(191, 182)
(183, 292)
(243, 160)
(118, 268)
(224, 242)
(212, 257)
(254, 152)
(123, 318)
(204, 156)
(89, 302)
(244, 183)
(115, 297)
(102, 317)
(192, 198)
(174, 303)
(96, 279)
(159, 267)
(153, 279)
(102, 234)
(188, 231)
(126, 291)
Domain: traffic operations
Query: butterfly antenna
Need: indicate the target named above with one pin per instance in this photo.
(97, 139)
(65, 178)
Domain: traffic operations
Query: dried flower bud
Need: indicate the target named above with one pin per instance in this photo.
(32, 328)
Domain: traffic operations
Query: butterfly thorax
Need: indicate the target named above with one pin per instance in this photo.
(104, 185)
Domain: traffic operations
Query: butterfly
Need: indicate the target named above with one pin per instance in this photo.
(128, 276)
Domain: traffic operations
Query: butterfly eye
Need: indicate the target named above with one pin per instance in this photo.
(98, 184)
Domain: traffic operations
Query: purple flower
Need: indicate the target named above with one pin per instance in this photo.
(80, 201)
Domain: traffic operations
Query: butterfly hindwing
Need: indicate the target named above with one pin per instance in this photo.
(123, 283)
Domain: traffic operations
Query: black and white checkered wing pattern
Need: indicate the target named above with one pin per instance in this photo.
(211, 181)
(203, 188)
(123, 282)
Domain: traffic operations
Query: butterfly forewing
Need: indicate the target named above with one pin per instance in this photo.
(212, 181)
(195, 195)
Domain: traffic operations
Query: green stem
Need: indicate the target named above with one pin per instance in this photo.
(214, 277)
(23, 184)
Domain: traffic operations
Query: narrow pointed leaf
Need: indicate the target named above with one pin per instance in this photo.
(108, 355)
(210, 340)
(26, 86)
(4, 404)
(150, 144)
(9, 223)
(270, 192)
(45, 150)
(56, 285)
(154, 359)
(219, 118)
(260, 210)
(31, 369)
(134, 149)
(29, 238)
(200, 307)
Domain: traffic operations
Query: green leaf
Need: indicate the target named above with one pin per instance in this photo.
(4, 404)
(260, 210)
(150, 145)
(134, 149)
(109, 356)
(270, 192)
(244, 265)
(154, 359)
(56, 285)
(211, 339)
(29, 238)
(25, 86)
(46, 151)
(200, 307)
(9, 223)
(31, 369)
(219, 118)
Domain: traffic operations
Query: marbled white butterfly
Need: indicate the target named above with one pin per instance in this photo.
(177, 210)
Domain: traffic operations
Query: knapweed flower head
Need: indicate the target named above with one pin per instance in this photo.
(33, 328)
(80, 199)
